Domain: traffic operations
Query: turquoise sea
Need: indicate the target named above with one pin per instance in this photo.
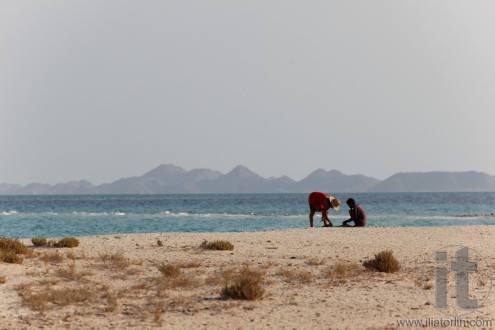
(59, 216)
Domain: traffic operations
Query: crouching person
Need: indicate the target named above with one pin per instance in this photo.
(357, 213)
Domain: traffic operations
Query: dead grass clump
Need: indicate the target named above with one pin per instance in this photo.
(3, 279)
(115, 261)
(165, 283)
(428, 286)
(10, 257)
(54, 257)
(315, 261)
(302, 276)
(341, 272)
(169, 270)
(190, 264)
(39, 241)
(47, 297)
(73, 256)
(13, 245)
(247, 286)
(70, 273)
(218, 245)
(222, 276)
(384, 261)
(67, 242)
(157, 315)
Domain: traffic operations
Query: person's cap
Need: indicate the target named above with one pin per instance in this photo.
(335, 202)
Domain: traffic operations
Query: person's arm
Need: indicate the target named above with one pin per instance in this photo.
(325, 216)
(311, 215)
(352, 218)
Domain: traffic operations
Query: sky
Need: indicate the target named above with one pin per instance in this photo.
(101, 90)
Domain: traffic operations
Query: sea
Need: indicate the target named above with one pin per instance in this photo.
(82, 215)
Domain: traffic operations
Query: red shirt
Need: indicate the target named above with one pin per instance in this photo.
(317, 201)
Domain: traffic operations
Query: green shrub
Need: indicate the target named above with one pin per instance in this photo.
(218, 245)
(383, 262)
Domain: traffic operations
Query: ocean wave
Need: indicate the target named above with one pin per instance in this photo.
(481, 215)
(152, 215)
(9, 213)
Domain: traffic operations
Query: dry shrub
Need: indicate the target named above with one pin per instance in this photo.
(384, 261)
(54, 257)
(70, 273)
(157, 315)
(221, 276)
(341, 272)
(10, 257)
(315, 261)
(247, 286)
(39, 241)
(3, 279)
(343, 269)
(116, 260)
(172, 278)
(428, 286)
(13, 245)
(218, 245)
(72, 256)
(190, 264)
(45, 297)
(68, 242)
(164, 283)
(169, 270)
(302, 276)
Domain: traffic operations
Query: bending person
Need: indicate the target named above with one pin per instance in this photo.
(320, 202)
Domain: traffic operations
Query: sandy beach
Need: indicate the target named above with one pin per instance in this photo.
(311, 278)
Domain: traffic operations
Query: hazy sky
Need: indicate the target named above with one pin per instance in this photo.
(101, 90)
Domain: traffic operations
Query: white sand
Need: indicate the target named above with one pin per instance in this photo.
(299, 292)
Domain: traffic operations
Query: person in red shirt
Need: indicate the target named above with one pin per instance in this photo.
(320, 202)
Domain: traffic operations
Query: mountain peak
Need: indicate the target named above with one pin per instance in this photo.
(164, 171)
(241, 172)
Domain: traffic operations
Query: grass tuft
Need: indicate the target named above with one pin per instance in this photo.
(247, 286)
(384, 261)
(218, 245)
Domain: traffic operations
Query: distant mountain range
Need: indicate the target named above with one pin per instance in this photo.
(171, 179)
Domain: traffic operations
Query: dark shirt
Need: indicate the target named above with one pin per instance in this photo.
(358, 215)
